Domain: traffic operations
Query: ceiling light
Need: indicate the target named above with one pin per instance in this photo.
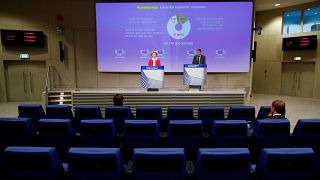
(308, 9)
(277, 4)
(316, 13)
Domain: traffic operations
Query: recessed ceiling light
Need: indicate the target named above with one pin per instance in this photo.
(308, 9)
(277, 4)
(316, 13)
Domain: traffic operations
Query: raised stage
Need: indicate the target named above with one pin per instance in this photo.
(140, 97)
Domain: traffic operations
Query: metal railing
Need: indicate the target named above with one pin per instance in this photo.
(49, 79)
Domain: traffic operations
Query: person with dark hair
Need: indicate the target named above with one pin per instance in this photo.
(278, 110)
(118, 100)
(199, 58)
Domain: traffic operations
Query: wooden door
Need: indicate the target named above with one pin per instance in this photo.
(36, 79)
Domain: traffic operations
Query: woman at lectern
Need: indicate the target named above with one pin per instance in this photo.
(154, 61)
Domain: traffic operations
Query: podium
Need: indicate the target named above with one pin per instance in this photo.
(152, 77)
(195, 75)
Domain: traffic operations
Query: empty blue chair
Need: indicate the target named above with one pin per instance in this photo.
(149, 113)
(307, 133)
(59, 112)
(141, 133)
(87, 112)
(119, 114)
(159, 164)
(231, 133)
(286, 163)
(223, 163)
(33, 111)
(185, 134)
(17, 132)
(58, 133)
(242, 113)
(264, 111)
(180, 113)
(97, 133)
(209, 114)
(271, 133)
(36, 163)
(95, 163)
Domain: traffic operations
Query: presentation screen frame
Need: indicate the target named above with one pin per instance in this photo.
(179, 69)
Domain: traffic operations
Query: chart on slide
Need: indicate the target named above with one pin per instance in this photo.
(178, 27)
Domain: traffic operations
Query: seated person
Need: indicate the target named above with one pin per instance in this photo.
(278, 110)
(118, 101)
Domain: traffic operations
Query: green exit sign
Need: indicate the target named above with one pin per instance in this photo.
(24, 56)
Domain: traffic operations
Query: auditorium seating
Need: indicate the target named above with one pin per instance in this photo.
(159, 164)
(95, 163)
(97, 133)
(119, 114)
(58, 133)
(271, 133)
(307, 134)
(264, 111)
(230, 133)
(185, 134)
(141, 134)
(286, 163)
(208, 114)
(59, 112)
(33, 111)
(180, 113)
(16, 132)
(149, 113)
(36, 163)
(87, 112)
(242, 113)
(223, 164)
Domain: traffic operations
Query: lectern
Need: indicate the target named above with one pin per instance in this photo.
(152, 77)
(195, 75)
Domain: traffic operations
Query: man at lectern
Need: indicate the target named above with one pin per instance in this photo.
(154, 61)
(199, 58)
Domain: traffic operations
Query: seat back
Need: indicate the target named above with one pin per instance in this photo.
(242, 113)
(159, 164)
(95, 163)
(149, 113)
(119, 114)
(59, 112)
(141, 133)
(230, 133)
(33, 111)
(223, 163)
(307, 133)
(264, 112)
(180, 113)
(33, 163)
(271, 133)
(97, 133)
(58, 133)
(185, 134)
(208, 114)
(87, 112)
(286, 163)
(17, 132)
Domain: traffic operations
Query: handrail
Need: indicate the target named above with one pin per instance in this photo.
(49, 84)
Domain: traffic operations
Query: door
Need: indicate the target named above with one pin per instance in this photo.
(289, 79)
(36, 79)
(25, 80)
(16, 80)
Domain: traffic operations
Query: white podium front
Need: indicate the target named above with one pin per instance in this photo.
(152, 77)
(195, 75)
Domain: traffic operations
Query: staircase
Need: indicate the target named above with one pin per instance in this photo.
(59, 98)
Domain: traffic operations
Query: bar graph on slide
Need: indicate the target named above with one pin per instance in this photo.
(178, 27)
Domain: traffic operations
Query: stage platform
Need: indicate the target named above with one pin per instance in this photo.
(140, 97)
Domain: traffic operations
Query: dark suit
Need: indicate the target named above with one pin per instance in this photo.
(277, 117)
(196, 60)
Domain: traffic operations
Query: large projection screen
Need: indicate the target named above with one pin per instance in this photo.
(127, 33)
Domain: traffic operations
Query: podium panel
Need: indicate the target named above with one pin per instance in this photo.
(195, 74)
(152, 77)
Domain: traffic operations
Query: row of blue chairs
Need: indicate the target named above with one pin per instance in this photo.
(121, 113)
(160, 163)
(188, 134)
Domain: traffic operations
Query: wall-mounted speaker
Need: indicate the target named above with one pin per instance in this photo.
(61, 50)
(254, 51)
